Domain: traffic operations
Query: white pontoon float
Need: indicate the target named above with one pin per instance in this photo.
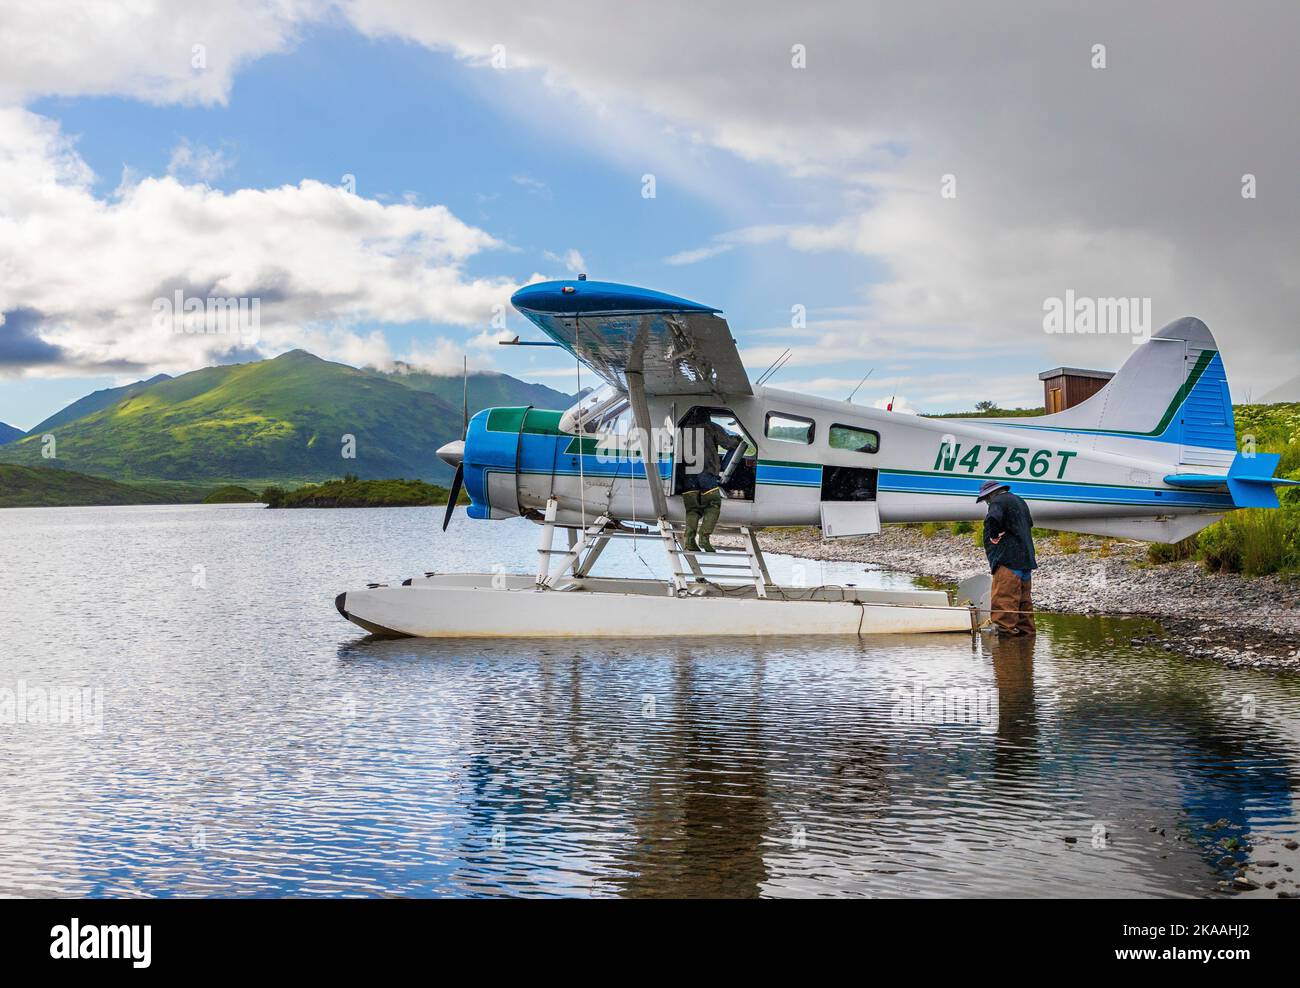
(727, 593)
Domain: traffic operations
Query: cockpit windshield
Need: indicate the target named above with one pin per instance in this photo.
(595, 411)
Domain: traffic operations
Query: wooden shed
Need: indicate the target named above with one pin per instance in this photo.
(1065, 387)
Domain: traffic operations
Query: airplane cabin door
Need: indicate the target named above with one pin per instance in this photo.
(848, 505)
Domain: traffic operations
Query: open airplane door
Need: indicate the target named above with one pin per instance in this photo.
(848, 503)
(842, 519)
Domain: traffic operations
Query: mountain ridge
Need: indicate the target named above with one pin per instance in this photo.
(294, 418)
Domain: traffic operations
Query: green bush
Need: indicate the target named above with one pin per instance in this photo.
(1172, 552)
(963, 527)
(1068, 542)
(353, 493)
(1253, 542)
(929, 529)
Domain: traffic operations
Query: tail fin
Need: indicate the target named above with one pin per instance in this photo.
(1173, 389)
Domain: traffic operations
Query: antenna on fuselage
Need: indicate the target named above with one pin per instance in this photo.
(775, 366)
(860, 383)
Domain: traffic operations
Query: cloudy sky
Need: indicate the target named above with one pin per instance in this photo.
(382, 175)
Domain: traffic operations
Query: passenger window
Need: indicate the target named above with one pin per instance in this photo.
(788, 428)
(854, 439)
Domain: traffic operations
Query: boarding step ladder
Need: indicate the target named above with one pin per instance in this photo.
(558, 569)
(723, 568)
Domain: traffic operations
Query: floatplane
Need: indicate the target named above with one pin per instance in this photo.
(1150, 456)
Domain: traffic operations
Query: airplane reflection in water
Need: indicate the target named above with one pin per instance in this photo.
(744, 769)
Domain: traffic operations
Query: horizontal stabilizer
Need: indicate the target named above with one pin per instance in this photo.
(1250, 480)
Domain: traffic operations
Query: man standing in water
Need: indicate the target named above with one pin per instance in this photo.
(1009, 545)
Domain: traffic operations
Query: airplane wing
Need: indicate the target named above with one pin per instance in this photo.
(681, 347)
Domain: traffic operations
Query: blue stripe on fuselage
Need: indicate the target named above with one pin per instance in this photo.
(1043, 491)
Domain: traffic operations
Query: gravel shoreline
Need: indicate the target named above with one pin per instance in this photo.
(1240, 622)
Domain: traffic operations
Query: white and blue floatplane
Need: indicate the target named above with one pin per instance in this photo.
(1150, 456)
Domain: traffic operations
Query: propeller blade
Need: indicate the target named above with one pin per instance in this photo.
(455, 495)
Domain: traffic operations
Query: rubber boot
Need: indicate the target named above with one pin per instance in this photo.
(691, 501)
(711, 504)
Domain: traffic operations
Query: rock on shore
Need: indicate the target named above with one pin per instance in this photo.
(1242, 622)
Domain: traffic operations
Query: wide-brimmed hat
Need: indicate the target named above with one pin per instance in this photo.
(989, 488)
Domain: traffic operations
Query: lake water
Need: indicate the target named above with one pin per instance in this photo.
(226, 733)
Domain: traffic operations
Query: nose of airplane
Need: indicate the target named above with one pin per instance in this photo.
(453, 453)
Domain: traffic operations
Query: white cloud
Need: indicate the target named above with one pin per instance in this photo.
(85, 270)
(198, 162)
(571, 259)
(724, 242)
(1117, 181)
(444, 357)
(159, 51)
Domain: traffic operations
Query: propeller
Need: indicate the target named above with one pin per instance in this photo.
(453, 454)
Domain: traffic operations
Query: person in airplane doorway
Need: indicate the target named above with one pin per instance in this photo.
(703, 498)
(1009, 545)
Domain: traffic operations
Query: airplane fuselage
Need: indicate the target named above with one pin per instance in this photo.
(868, 464)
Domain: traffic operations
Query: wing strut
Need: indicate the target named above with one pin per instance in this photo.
(641, 411)
(654, 480)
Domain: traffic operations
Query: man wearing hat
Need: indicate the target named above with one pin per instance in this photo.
(1009, 544)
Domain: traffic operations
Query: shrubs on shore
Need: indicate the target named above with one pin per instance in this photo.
(1253, 541)
(1172, 552)
(351, 492)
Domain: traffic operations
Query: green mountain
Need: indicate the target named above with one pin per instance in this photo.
(8, 433)
(272, 421)
(487, 389)
(29, 487)
(93, 402)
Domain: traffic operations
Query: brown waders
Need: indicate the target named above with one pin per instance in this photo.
(1012, 594)
(702, 510)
